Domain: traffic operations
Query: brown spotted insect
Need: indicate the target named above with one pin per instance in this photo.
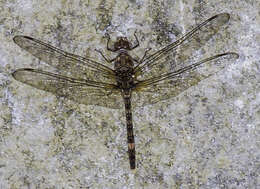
(155, 76)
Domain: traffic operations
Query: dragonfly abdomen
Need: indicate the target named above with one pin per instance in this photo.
(129, 125)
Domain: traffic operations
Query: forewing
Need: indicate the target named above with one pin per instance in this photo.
(158, 63)
(169, 85)
(79, 90)
(66, 63)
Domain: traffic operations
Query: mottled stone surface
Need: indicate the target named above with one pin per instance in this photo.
(207, 137)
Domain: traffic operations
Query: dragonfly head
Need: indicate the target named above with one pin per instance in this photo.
(122, 43)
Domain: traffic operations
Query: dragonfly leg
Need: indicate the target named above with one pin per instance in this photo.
(137, 44)
(135, 59)
(100, 52)
(108, 39)
(145, 53)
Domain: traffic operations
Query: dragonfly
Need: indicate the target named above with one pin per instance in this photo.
(88, 81)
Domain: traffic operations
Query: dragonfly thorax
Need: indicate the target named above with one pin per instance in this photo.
(124, 69)
(123, 63)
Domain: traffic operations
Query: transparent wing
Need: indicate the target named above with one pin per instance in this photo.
(79, 90)
(190, 42)
(66, 63)
(172, 84)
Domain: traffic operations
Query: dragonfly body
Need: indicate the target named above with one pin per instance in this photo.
(87, 81)
(124, 71)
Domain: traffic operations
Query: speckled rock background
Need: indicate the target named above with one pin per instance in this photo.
(207, 137)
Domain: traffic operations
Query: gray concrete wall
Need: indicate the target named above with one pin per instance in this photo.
(206, 137)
